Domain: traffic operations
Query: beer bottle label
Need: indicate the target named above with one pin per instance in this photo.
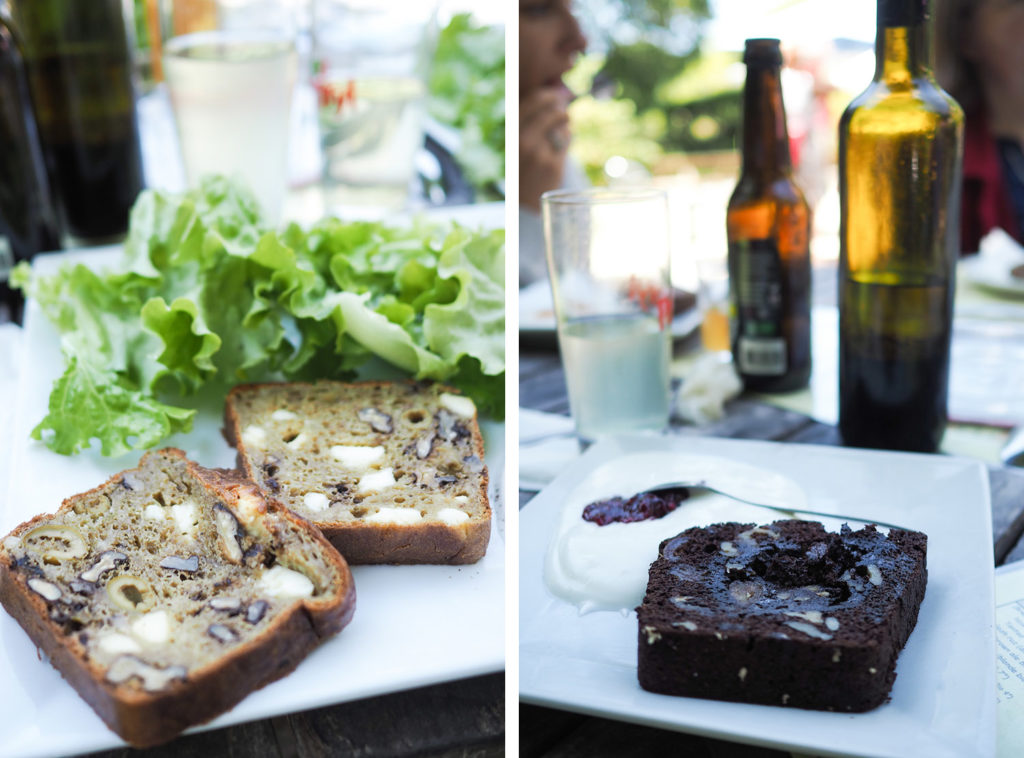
(757, 293)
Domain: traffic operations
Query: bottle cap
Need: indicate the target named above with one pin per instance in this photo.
(762, 52)
(902, 12)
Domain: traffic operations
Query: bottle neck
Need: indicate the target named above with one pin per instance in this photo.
(765, 138)
(903, 48)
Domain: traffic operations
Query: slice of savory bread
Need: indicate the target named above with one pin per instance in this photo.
(391, 472)
(169, 593)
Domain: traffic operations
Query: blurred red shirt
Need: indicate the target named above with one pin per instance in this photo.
(986, 202)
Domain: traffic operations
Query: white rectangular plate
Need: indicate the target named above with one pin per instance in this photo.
(411, 627)
(943, 702)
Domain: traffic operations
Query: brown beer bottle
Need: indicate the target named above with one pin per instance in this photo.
(900, 163)
(768, 224)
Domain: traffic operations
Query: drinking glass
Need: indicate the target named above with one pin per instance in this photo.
(231, 92)
(608, 257)
(371, 61)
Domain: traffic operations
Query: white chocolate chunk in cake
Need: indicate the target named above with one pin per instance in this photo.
(153, 627)
(315, 501)
(395, 516)
(452, 516)
(282, 582)
(376, 481)
(115, 643)
(185, 515)
(458, 404)
(357, 457)
(255, 436)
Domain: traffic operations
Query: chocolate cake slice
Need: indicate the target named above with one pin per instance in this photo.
(782, 614)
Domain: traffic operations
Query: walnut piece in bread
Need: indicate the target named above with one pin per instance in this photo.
(391, 472)
(168, 578)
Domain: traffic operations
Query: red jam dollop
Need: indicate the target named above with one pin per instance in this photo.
(641, 507)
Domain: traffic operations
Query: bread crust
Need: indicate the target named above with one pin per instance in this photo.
(369, 543)
(146, 719)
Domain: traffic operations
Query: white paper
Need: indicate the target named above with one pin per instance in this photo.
(1010, 659)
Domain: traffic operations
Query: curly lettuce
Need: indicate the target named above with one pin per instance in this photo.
(207, 296)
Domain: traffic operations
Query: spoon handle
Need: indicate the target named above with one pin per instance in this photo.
(772, 506)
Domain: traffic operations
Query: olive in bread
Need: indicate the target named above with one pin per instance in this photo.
(391, 472)
(167, 594)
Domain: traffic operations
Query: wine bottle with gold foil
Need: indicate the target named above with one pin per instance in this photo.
(900, 165)
(768, 224)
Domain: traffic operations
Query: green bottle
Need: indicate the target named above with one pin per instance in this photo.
(900, 166)
(79, 62)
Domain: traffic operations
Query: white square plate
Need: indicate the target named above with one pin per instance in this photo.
(377, 653)
(943, 701)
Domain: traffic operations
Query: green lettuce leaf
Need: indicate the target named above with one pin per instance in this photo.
(207, 295)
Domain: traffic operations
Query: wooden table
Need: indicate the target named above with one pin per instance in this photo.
(552, 733)
(454, 720)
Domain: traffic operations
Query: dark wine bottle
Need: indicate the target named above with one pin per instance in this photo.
(28, 223)
(900, 165)
(768, 224)
(80, 71)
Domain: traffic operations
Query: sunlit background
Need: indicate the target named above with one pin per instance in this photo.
(660, 100)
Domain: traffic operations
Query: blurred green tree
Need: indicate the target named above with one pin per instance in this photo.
(643, 106)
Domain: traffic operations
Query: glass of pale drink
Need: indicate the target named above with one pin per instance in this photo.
(230, 85)
(608, 257)
(371, 62)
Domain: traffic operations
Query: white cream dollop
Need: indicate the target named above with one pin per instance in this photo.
(605, 568)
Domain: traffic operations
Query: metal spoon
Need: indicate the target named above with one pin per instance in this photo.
(724, 489)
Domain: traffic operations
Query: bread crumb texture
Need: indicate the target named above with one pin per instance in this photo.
(153, 575)
(374, 452)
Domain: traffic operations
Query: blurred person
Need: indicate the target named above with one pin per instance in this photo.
(550, 39)
(980, 61)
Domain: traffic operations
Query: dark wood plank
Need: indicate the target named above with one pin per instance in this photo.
(242, 741)
(1007, 485)
(465, 718)
(541, 730)
(462, 719)
(544, 733)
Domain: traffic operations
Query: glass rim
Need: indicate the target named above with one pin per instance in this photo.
(178, 43)
(602, 195)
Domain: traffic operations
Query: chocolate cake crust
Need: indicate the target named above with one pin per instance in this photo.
(783, 614)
